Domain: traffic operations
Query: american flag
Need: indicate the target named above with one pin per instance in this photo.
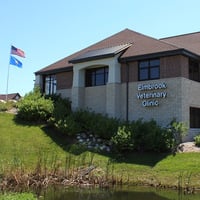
(17, 52)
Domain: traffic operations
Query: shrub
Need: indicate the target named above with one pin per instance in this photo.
(178, 130)
(68, 125)
(11, 104)
(137, 135)
(197, 140)
(149, 136)
(71, 123)
(122, 141)
(62, 108)
(3, 107)
(96, 124)
(34, 107)
(62, 117)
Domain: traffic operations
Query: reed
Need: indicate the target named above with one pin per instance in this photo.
(50, 169)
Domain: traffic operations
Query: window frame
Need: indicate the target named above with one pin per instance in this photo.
(96, 76)
(148, 67)
(193, 65)
(50, 84)
(194, 117)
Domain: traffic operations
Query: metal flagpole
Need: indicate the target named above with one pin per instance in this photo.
(7, 81)
(8, 77)
(13, 61)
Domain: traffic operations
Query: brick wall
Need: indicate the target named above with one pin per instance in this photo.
(171, 66)
(174, 66)
(64, 80)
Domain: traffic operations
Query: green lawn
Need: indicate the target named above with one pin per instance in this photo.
(23, 146)
(17, 196)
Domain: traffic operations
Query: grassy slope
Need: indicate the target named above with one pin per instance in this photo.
(23, 143)
(21, 146)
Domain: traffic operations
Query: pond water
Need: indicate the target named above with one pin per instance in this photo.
(124, 193)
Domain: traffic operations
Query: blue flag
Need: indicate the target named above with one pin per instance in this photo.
(14, 61)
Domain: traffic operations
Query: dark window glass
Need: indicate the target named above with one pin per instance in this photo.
(93, 78)
(50, 84)
(149, 69)
(194, 117)
(144, 64)
(154, 72)
(96, 76)
(194, 71)
(106, 74)
(100, 71)
(155, 62)
(144, 74)
(100, 79)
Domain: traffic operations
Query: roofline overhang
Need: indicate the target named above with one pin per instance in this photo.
(160, 54)
(101, 56)
(75, 61)
(53, 71)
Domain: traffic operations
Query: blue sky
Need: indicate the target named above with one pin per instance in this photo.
(48, 30)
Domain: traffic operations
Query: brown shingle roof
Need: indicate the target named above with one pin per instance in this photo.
(190, 41)
(59, 65)
(141, 45)
(120, 38)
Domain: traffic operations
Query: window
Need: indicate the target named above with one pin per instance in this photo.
(96, 76)
(194, 117)
(50, 84)
(149, 69)
(194, 72)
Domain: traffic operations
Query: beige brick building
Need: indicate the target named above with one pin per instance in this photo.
(130, 76)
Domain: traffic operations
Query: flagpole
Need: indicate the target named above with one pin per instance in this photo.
(8, 73)
(13, 61)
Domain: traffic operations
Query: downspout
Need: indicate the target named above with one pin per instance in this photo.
(42, 86)
(127, 91)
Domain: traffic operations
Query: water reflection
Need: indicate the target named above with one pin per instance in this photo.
(58, 193)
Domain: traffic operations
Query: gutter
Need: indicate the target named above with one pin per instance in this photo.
(54, 71)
